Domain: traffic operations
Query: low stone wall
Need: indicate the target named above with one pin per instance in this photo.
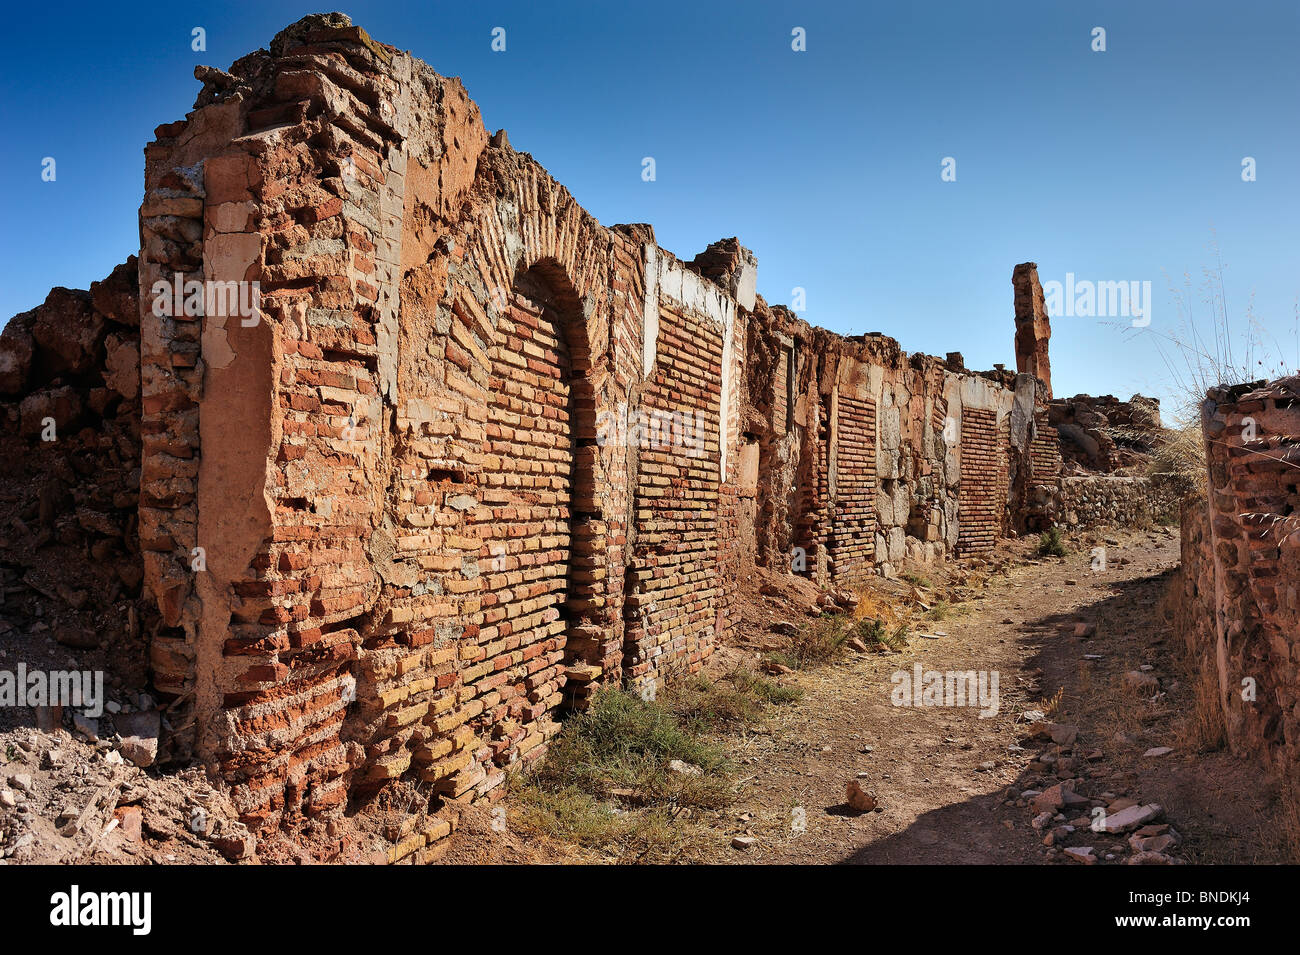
(1238, 593)
(1124, 501)
(1192, 596)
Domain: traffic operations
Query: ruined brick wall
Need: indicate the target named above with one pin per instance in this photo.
(862, 458)
(387, 534)
(981, 504)
(70, 445)
(1191, 599)
(682, 521)
(1245, 566)
(437, 455)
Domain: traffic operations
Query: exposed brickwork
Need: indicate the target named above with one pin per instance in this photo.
(983, 481)
(675, 559)
(470, 455)
(852, 543)
(1242, 564)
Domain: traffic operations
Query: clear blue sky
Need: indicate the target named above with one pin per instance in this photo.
(1114, 166)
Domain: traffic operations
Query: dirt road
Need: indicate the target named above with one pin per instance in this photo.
(1085, 646)
(942, 773)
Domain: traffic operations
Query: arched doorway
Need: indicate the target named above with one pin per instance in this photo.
(546, 586)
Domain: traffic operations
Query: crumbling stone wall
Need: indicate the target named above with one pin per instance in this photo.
(437, 455)
(1242, 566)
(1033, 325)
(1104, 434)
(855, 434)
(1101, 500)
(70, 447)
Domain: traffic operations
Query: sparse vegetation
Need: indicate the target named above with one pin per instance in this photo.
(1204, 351)
(738, 698)
(1203, 728)
(822, 640)
(877, 635)
(1183, 453)
(608, 780)
(1051, 543)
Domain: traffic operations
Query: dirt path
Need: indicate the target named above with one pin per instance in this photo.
(942, 773)
(948, 780)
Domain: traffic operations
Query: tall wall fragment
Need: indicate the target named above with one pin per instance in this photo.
(428, 455)
(1033, 325)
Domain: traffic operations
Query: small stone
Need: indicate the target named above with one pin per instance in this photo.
(744, 843)
(139, 733)
(1150, 858)
(1081, 854)
(685, 769)
(1137, 680)
(87, 726)
(131, 821)
(235, 845)
(1050, 799)
(1062, 734)
(1131, 817)
(21, 781)
(1159, 751)
(858, 798)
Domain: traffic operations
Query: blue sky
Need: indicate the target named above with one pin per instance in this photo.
(1122, 165)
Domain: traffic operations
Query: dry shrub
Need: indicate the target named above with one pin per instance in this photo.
(1202, 728)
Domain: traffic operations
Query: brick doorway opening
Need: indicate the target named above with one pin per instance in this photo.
(558, 435)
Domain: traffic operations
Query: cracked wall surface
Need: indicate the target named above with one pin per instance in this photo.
(1237, 600)
(463, 455)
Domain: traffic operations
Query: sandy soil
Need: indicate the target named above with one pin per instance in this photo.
(948, 781)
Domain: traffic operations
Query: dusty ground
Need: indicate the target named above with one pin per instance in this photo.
(947, 780)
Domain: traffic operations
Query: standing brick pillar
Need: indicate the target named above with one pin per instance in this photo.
(1033, 326)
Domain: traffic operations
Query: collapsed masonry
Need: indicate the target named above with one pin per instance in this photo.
(1237, 598)
(472, 455)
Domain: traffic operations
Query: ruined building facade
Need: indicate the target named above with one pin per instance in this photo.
(472, 454)
(1236, 602)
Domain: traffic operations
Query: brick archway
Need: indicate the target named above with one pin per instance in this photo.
(542, 335)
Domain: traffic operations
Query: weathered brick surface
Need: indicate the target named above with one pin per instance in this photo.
(983, 481)
(468, 455)
(852, 542)
(1241, 569)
